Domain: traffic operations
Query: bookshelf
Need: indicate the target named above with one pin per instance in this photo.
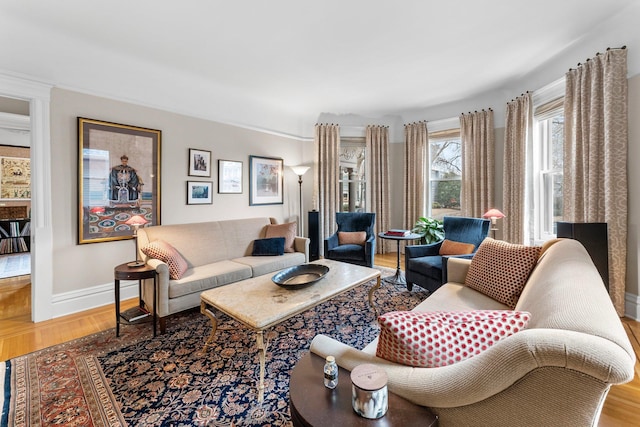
(15, 236)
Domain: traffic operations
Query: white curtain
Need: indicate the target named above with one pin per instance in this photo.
(416, 140)
(377, 143)
(595, 155)
(517, 139)
(326, 178)
(478, 163)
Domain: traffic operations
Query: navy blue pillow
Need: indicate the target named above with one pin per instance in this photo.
(270, 246)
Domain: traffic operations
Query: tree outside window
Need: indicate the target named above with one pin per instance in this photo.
(445, 177)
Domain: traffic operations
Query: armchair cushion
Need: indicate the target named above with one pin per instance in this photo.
(159, 249)
(441, 338)
(451, 247)
(287, 230)
(268, 247)
(352, 237)
(500, 270)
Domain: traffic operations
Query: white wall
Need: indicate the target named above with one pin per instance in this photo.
(81, 270)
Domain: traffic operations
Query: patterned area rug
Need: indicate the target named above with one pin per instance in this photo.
(168, 381)
(15, 265)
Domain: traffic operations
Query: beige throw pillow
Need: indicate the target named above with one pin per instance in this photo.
(352, 237)
(287, 230)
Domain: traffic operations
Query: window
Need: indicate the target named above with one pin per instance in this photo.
(548, 175)
(445, 174)
(353, 183)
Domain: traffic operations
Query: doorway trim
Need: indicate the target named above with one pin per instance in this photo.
(38, 95)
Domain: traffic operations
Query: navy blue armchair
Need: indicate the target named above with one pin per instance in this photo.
(423, 264)
(352, 253)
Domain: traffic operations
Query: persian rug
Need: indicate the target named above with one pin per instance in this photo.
(169, 381)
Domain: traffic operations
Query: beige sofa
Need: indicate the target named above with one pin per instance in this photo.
(217, 253)
(556, 372)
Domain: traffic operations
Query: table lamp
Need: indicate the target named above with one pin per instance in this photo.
(136, 221)
(300, 170)
(494, 214)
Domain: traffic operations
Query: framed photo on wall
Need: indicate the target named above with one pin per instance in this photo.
(199, 163)
(229, 177)
(118, 178)
(266, 180)
(199, 192)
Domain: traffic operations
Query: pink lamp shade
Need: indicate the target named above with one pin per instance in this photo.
(493, 214)
(136, 220)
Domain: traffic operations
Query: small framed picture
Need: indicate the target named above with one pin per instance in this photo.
(229, 177)
(199, 192)
(266, 179)
(199, 162)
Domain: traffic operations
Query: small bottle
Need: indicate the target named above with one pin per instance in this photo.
(330, 372)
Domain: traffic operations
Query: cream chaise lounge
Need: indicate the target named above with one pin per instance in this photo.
(556, 372)
(217, 253)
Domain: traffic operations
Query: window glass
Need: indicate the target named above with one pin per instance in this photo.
(445, 177)
(353, 183)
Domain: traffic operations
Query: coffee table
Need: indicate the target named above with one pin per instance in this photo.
(259, 304)
(312, 404)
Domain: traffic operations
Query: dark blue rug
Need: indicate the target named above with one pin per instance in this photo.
(167, 381)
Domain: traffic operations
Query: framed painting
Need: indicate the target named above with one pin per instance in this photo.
(118, 177)
(229, 177)
(199, 192)
(266, 180)
(15, 178)
(199, 163)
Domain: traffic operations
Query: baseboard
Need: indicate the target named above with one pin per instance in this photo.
(632, 306)
(97, 296)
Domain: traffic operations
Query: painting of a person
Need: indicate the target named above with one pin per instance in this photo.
(124, 183)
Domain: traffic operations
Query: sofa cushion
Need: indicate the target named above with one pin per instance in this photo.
(442, 338)
(287, 230)
(347, 252)
(159, 249)
(352, 237)
(269, 264)
(451, 247)
(203, 277)
(268, 247)
(500, 269)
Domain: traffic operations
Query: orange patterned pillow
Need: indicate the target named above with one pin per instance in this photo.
(352, 237)
(159, 249)
(287, 230)
(441, 338)
(451, 247)
(500, 270)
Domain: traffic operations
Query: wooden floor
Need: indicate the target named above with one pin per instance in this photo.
(18, 336)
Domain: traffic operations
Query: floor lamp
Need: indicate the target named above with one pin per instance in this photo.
(300, 170)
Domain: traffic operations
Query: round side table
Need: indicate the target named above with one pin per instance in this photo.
(398, 277)
(126, 272)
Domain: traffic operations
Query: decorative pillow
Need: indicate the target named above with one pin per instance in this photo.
(352, 237)
(267, 247)
(287, 230)
(159, 249)
(500, 270)
(451, 247)
(440, 338)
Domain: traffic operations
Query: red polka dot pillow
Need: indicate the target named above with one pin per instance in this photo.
(500, 270)
(159, 249)
(441, 338)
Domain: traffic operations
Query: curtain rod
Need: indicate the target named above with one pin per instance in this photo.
(489, 109)
(522, 94)
(598, 54)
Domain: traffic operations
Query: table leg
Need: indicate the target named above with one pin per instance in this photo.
(214, 324)
(371, 292)
(398, 277)
(117, 291)
(262, 351)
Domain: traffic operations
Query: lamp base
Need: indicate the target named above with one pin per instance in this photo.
(135, 264)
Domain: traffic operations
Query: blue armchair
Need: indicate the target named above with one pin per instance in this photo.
(352, 253)
(425, 267)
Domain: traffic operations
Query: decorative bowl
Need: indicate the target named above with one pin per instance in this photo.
(300, 275)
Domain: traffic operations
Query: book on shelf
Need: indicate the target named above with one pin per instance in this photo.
(397, 232)
(135, 313)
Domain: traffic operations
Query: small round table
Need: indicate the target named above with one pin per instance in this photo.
(126, 272)
(398, 278)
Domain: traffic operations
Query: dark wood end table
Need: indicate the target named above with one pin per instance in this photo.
(312, 404)
(126, 272)
(398, 277)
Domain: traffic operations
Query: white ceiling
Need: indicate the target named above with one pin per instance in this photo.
(279, 64)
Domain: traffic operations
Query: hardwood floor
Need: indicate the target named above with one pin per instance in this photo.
(18, 336)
